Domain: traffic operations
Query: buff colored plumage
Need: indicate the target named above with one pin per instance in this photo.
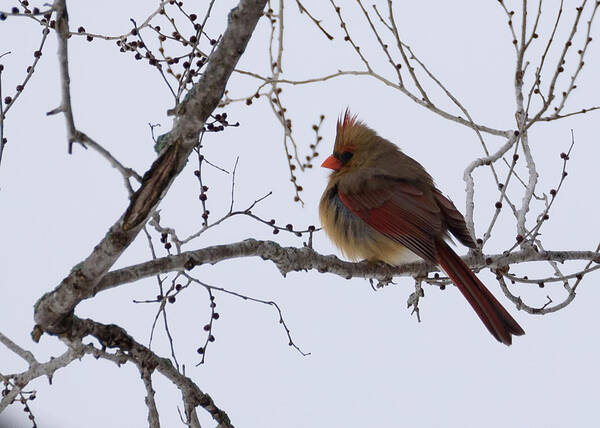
(382, 205)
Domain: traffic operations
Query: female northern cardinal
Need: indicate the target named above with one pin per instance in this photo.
(382, 205)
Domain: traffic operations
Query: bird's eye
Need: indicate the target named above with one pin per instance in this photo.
(345, 157)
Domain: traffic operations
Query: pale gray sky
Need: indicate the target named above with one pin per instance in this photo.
(371, 363)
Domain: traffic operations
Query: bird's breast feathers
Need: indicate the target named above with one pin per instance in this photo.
(355, 238)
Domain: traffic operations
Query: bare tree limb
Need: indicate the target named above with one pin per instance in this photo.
(290, 259)
(53, 309)
(153, 420)
(113, 336)
(35, 370)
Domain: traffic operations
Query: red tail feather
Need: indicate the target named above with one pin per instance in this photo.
(497, 319)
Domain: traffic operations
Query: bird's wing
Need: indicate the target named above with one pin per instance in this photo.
(399, 210)
(454, 220)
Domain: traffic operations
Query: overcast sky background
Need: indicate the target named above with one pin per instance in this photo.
(371, 362)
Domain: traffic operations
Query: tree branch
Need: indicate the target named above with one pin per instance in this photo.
(52, 311)
(290, 259)
(113, 336)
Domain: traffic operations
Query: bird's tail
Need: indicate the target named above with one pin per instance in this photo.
(497, 319)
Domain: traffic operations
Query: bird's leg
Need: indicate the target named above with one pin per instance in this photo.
(413, 299)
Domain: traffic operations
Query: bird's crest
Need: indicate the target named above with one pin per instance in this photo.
(350, 131)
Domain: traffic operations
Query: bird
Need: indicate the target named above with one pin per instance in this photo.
(381, 205)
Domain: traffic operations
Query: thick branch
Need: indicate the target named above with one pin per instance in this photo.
(53, 310)
(289, 259)
(113, 336)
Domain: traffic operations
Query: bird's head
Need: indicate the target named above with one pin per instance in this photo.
(356, 145)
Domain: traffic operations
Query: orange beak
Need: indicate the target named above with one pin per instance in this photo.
(332, 163)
